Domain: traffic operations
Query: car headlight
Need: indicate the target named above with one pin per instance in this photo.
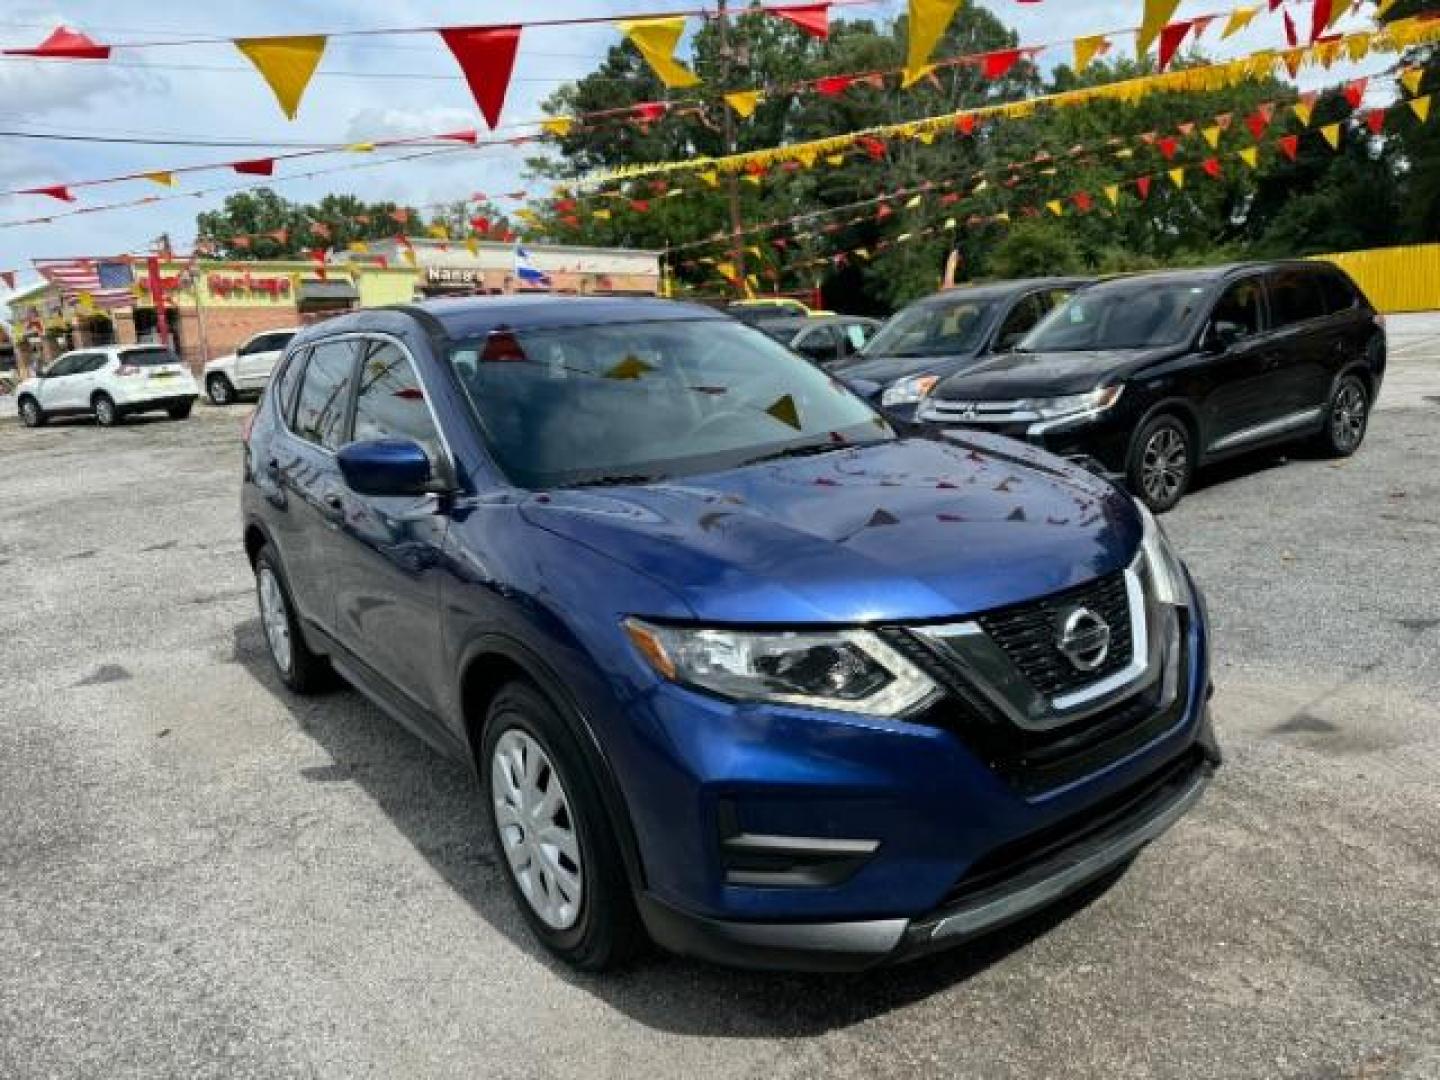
(845, 670)
(1167, 573)
(909, 391)
(1057, 408)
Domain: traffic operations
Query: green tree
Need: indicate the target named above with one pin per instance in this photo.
(257, 216)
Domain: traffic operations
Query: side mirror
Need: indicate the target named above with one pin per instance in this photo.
(1224, 335)
(386, 468)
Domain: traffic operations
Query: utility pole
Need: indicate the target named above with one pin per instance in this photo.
(732, 182)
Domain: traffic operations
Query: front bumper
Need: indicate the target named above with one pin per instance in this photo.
(1128, 823)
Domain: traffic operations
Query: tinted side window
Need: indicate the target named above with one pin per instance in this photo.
(1340, 295)
(1240, 306)
(94, 362)
(325, 394)
(66, 365)
(390, 403)
(1295, 297)
(1021, 320)
(818, 344)
(283, 387)
(857, 334)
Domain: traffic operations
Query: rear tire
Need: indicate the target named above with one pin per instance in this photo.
(107, 413)
(1347, 418)
(220, 391)
(31, 415)
(301, 670)
(180, 412)
(552, 834)
(1162, 463)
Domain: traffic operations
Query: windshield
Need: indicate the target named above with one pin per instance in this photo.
(1134, 314)
(636, 402)
(933, 328)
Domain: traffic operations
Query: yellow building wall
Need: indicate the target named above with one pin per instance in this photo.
(1395, 279)
(378, 287)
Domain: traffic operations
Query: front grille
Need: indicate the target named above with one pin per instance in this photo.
(1029, 633)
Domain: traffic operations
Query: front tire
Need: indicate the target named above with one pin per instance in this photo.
(548, 824)
(107, 413)
(31, 415)
(181, 411)
(1347, 418)
(301, 670)
(219, 390)
(1162, 463)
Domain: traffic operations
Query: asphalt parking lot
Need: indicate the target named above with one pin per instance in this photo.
(201, 875)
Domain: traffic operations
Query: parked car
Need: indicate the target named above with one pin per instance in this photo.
(248, 368)
(947, 333)
(739, 668)
(109, 382)
(1150, 377)
(825, 339)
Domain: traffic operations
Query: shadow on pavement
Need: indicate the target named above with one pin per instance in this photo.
(436, 805)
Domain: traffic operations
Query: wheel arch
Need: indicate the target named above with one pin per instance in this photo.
(1184, 411)
(493, 661)
(256, 537)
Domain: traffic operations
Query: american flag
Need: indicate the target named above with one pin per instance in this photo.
(108, 282)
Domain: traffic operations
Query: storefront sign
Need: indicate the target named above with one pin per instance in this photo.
(226, 286)
(453, 276)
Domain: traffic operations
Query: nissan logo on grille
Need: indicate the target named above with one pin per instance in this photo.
(1084, 639)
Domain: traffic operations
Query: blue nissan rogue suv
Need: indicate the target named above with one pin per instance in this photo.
(740, 670)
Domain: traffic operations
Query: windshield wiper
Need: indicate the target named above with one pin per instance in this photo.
(617, 480)
(803, 450)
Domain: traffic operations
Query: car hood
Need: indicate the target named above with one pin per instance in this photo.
(1020, 375)
(910, 530)
(883, 370)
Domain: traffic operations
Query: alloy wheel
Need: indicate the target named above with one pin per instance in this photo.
(104, 411)
(1348, 416)
(30, 413)
(220, 391)
(1164, 465)
(275, 617)
(537, 829)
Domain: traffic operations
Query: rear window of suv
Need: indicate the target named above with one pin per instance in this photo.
(156, 357)
(1296, 297)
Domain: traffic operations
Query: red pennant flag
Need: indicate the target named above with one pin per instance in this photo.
(55, 191)
(318, 255)
(1257, 122)
(1186, 129)
(1082, 201)
(883, 211)
(640, 206)
(242, 242)
(650, 111)
(1171, 37)
(965, 124)
(280, 236)
(1319, 19)
(1375, 120)
(8, 276)
(1292, 38)
(996, 65)
(466, 136)
(949, 199)
(382, 262)
(814, 19)
(319, 228)
(486, 56)
(1168, 146)
(1142, 185)
(659, 187)
(1289, 145)
(833, 85)
(1212, 167)
(565, 206)
(480, 224)
(1355, 92)
(400, 216)
(65, 44)
(258, 167)
(571, 220)
(874, 147)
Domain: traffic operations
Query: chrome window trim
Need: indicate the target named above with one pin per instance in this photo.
(995, 676)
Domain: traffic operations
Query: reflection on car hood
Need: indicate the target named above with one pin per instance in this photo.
(884, 370)
(1020, 375)
(909, 530)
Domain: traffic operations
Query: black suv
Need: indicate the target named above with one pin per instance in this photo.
(1146, 378)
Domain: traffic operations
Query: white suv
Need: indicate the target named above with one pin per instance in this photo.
(248, 368)
(109, 381)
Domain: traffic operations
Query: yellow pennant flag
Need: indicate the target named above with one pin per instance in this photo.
(286, 63)
(559, 126)
(751, 178)
(835, 160)
(1177, 177)
(1420, 106)
(1357, 46)
(743, 102)
(1240, 18)
(1411, 78)
(439, 232)
(86, 299)
(711, 177)
(926, 137)
(950, 223)
(904, 238)
(1087, 48)
(408, 255)
(927, 24)
(600, 215)
(1056, 207)
(361, 147)
(1212, 135)
(359, 247)
(1250, 156)
(914, 203)
(1112, 192)
(1331, 132)
(164, 179)
(472, 246)
(1383, 7)
(656, 39)
(1338, 10)
(1158, 14)
(1303, 112)
(1125, 154)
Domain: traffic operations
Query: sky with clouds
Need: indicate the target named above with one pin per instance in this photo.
(209, 92)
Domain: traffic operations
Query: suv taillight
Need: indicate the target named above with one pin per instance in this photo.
(126, 371)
